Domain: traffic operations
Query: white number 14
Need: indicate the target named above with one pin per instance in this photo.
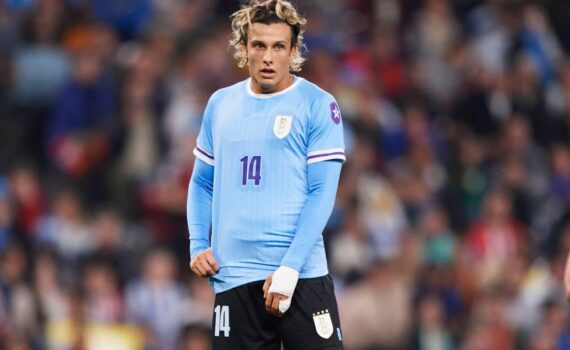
(222, 320)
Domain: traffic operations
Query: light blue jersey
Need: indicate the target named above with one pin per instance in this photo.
(260, 147)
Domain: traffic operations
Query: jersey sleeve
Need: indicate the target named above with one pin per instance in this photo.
(326, 138)
(204, 149)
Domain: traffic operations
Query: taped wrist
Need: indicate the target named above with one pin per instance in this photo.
(284, 281)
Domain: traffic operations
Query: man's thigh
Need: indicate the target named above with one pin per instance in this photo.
(240, 321)
(312, 321)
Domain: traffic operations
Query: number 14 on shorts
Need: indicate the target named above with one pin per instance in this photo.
(222, 320)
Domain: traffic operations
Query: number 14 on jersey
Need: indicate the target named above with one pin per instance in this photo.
(251, 170)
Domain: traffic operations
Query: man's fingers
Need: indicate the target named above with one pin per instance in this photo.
(272, 303)
(204, 264)
(206, 267)
(268, 301)
(212, 262)
(275, 305)
(276, 302)
(196, 268)
(266, 285)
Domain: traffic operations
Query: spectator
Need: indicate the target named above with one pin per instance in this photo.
(28, 199)
(377, 312)
(154, 300)
(431, 331)
(493, 239)
(17, 305)
(103, 299)
(82, 127)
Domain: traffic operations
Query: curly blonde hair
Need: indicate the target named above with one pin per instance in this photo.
(267, 12)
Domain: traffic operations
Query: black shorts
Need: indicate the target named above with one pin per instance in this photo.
(241, 322)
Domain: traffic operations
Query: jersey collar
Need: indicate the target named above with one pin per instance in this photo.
(296, 82)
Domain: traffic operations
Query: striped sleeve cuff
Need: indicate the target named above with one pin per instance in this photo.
(328, 154)
(204, 156)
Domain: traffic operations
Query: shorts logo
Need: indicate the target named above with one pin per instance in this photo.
(323, 324)
(282, 125)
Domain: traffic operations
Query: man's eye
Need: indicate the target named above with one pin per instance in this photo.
(257, 46)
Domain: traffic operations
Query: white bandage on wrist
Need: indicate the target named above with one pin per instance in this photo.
(284, 281)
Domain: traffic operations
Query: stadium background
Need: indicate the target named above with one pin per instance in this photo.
(452, 220)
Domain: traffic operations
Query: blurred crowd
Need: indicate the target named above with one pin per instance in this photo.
(452, 220)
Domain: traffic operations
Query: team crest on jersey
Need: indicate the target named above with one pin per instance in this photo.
(323, 324)
(282, 126)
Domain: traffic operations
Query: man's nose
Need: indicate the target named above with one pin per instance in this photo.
(267, 57)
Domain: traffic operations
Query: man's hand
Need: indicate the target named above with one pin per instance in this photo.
(272, 299)
(278, 290)
(204, 264)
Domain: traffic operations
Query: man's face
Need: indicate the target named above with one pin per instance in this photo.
(268, 53)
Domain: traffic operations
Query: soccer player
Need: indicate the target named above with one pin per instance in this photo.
(269, 156)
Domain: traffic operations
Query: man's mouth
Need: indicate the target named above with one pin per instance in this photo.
(267, 72)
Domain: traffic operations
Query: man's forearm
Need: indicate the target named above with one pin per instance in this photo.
(323, 182)
(199, 206)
